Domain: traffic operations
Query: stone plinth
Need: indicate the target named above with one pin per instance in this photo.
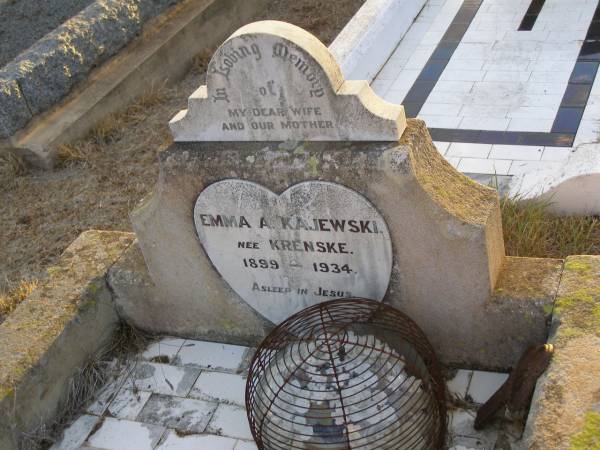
(445, 233)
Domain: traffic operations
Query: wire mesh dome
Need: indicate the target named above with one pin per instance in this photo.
(346, 374)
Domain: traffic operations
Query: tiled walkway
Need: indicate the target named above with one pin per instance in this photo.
(497, 99)
(189, 395)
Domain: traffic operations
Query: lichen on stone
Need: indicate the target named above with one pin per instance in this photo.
(70, 288)
(462, 197)
(589, 437)
(524, 279)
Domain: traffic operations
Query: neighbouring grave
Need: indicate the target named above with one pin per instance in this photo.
(288, 185)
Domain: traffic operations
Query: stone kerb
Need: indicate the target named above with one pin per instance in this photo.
(273, 81)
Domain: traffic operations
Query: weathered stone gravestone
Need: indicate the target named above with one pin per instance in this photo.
(288, 185)
(274, 82)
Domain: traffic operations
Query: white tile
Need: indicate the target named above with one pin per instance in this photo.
(442, 147)
(391, 70)
(128, 403)
(466, 64)
(525, 152)
(546, 101)
(474, 50)
(545, 88)
(116, 434)
(196, 442)
(440, 121)
(446, 97)
(532, 112)
(462, 87)
(469, 150)
(396, 95)
(588, 132)
(440, 109)
(518, 63)
(463, 75)
(418, 59)
(75, 435)
(185, 414)
(211, 355)
(500, 75)
(162, 378)
(459, 384)
(484, 123)
(488, 166)
(539, 125)
(484, 111)
(220, 387)
(245, 445)
(484, 384)
(108, 392)
(165, 348)
(550, 77)
(381, 87)
(520, 167)
(404, 80)
(556, 153)
(230, 420)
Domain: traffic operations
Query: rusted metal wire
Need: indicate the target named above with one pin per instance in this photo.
(346, 374)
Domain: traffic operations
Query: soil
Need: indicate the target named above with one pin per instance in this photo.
(103, 176)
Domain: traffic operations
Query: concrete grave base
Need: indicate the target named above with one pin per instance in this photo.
(445, 231)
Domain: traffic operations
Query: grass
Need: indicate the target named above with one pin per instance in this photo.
(11, 298)
(531, 229)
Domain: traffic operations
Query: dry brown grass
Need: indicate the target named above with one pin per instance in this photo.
(11, 167)
(113, 126)
(11, 298)
(531, 229)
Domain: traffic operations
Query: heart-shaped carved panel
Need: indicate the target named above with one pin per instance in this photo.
(314, 242)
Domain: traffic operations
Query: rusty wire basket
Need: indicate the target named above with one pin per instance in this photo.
(346, 374)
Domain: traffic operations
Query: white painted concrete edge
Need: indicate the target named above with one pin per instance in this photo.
(372, 35)
(574, 188)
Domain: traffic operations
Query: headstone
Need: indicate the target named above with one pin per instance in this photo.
(272, 81)
(254, 219)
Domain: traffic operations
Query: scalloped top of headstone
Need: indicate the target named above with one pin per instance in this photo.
(273, 81)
